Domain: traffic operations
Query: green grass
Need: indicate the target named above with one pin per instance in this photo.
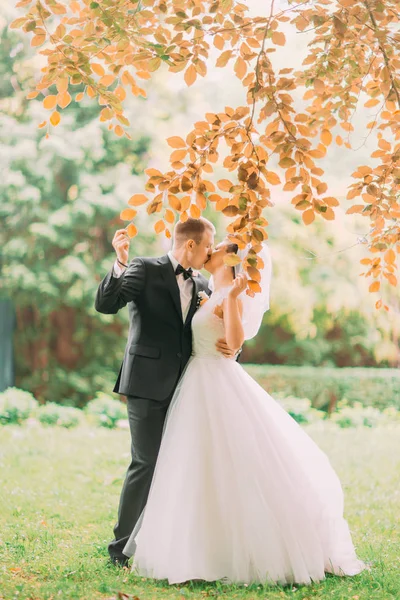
(59, 495)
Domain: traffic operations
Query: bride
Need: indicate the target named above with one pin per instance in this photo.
(240, 493)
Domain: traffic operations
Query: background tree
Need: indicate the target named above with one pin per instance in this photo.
(55, 249)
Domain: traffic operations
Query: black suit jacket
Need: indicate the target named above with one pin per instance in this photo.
(159, 343)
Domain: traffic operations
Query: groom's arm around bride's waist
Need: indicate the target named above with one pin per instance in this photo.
(115, 292)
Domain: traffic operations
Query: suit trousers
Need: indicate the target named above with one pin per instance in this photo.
(146, 422)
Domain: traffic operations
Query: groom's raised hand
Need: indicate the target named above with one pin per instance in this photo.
(120, 244)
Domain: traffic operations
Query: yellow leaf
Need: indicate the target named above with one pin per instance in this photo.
(98, 69)
(50, 102)
(222, 60)
(131, 230)
(153, 173)
(184, 217)
(64, 100)
(55, 118)
(378, 304)
(137, 200)
(240, 67)
(392, 279)
(326, 137)
(232, 260)
(254, 273)
(195, 212)
(374, 287)
(43, 124)
(169, 216)
(120, 93)
(32, 95)
(62, 85)
(357, 208)
(278, 38)
(159, 226)
(272, 178)
(372, 102)
(190, 75)
(219, 42)
(390, 256)
(79, 97)
(347, 126)
(224, 185)
(254, 286)
(107, 80)
(176, 142)
(18, 23)
(38, 40)
(128, 214)
(119, 131)
(330, 201)
(174, 202)
(308, 216)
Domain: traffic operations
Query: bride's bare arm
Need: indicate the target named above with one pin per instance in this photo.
(232, 309)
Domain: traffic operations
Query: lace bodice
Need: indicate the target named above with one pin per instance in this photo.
(207, 327)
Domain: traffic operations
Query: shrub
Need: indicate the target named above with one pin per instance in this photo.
(55, 414)
(326, 387)
(301, 410)
(16, 406)
(106, 410)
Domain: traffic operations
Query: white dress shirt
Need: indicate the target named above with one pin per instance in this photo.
(185, 285)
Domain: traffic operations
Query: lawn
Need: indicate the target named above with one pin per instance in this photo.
(59, 495)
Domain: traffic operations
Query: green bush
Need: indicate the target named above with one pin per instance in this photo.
(55, 414)
(326, 387)
(345, 416)
(16, 406)
(105, 410)
(301, 410)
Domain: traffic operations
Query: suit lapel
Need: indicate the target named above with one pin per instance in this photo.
(192, 309)
(167, 272)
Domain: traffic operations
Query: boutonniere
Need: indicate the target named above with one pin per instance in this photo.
(195, 273)
(201, 298)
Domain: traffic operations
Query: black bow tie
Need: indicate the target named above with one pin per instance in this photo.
(187, 273)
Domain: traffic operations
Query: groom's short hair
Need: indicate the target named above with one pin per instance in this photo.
(191, 229)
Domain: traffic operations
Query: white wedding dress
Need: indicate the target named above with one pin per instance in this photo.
(240, 492)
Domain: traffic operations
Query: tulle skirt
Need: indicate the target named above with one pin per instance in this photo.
(240, 492)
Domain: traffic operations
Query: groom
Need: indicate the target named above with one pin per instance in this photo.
(161, 294)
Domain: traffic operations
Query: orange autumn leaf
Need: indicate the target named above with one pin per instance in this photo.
(375, 286)
(107, 80)
(190, 75)
(55, 118)
(159, 226)
(195, 211)
(137, 200)
(176, 142)
(64, 100)
(128, 214)
(131, 230)
(50, 102)
(98, 69)
(169, 216)
(308, 216)
(390, 256)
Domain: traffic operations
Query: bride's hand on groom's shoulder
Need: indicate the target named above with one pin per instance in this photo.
(120, 244)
